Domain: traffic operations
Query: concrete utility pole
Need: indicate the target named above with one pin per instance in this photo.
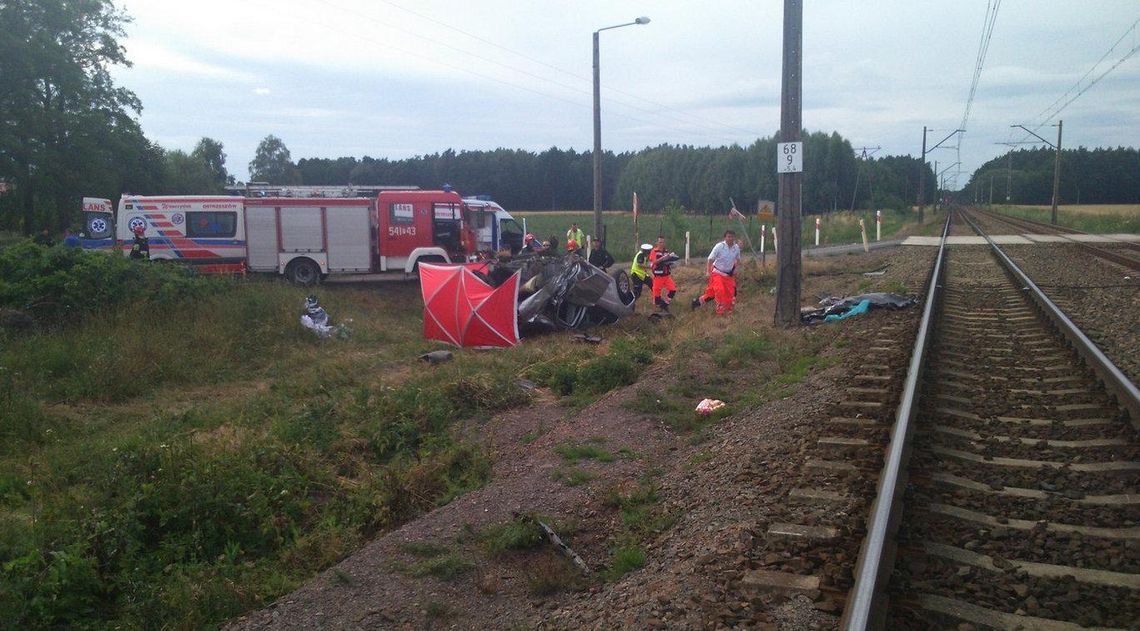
(922, 177)
(1057, 173)
(1056, 163)
(790, 177)
(1009, 177)
(933, 202)
(922, 168)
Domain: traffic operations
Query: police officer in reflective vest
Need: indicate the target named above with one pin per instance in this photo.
(639, 271)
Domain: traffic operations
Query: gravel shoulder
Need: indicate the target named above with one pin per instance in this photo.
(1102, 298)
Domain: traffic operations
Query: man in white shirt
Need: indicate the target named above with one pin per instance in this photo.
(721, 271)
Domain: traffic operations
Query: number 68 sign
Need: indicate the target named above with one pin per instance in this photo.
(789, 157)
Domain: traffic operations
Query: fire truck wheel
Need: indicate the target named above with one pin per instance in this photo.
(303, 272)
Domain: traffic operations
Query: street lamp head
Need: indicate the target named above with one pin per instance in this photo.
(641, 20)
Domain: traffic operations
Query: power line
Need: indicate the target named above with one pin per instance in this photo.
(692, 118)
(1081, 90)
(372, 41)
(1058, 106)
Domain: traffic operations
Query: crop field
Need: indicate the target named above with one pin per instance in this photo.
(1103, 219)
(705, 230)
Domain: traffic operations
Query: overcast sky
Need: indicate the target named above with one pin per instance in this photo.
(398, 78)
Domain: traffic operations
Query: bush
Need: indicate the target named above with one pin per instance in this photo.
(626, 559)
(59, 284)
(598, 375)
(521, 533)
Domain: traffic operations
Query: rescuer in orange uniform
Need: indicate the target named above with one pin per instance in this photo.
(661, 263)
(721, 271)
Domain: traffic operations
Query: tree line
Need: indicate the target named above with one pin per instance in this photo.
(701, 179)
(1088, 176)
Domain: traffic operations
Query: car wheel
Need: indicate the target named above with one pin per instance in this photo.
(624, 287)
(303, 272)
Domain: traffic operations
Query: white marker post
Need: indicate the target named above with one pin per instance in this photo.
(863, 231)
(763, 235)
(687, 247)
(817, 232)
(878, 225)
(589, 246)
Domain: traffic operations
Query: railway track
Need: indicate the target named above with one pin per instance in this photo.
(1126, 253)
(1021, 508)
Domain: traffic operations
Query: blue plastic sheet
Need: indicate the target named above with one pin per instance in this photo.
(859, 309)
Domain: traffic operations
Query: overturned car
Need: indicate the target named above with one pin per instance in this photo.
(487, 304)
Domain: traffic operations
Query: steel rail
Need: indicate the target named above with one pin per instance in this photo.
(866, 607)
(1126, 392)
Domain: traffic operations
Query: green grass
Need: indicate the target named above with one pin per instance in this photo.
(584, 377)
(1108, 222)
(195, 460)
(574, 453)
(841, 227)
(521, 533)
(423, 549)
(572, 477)
(445, 567)
(625, 559)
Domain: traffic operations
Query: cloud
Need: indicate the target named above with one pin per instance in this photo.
(148, 55)
(261, 91)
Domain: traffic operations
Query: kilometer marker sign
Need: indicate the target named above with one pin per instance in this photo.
(789, 157)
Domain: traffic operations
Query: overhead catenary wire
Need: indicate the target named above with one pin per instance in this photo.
(992, 8)
(1077, 89)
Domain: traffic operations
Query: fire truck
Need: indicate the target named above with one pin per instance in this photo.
(307, 234)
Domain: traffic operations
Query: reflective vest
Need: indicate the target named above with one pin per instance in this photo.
(577, 235)
(636, 270)
(663, 270)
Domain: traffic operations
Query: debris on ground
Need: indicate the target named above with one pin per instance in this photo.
(589, 339)
(832, 308)
(317, 320)
(564, 549)
(708, 406)
(436, 357)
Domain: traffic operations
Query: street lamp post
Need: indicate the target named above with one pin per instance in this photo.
(1056, 163)
(598, 127)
